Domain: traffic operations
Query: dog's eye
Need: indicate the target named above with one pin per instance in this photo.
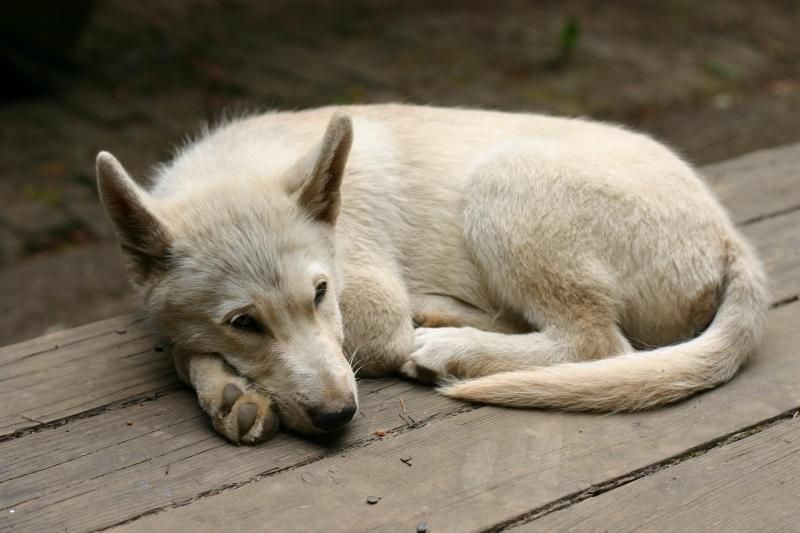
(319, 292)
(246, 322)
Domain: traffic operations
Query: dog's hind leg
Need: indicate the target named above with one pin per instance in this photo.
(238, 411)
(534, 236)
(438, 311)
(575, 321)
(465, 352)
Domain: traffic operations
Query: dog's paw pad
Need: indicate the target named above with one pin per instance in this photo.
(249, 420)
(230, 394)
(246, 417)
(418, 371)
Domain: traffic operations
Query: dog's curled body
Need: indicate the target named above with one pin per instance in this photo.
(533, 254)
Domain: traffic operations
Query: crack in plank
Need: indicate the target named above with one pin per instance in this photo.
(767, 216)
(118, 443)
(105, 474)
(119, 404)
(785, 301)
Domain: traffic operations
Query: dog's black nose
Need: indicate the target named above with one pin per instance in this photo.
(328, 420)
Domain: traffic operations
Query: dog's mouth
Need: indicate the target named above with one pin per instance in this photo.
(293, 417)
(296, 417)
(305, 413)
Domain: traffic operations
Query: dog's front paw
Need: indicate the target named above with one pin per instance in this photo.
(436, 353)
(238, 410)
(243, 415)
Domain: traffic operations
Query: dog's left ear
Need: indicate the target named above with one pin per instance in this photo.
(143, 236)
(319, 193)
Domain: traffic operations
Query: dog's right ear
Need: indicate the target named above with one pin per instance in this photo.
(143, 237)
(320, 172)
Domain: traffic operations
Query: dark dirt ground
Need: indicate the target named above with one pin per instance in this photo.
(714, 79)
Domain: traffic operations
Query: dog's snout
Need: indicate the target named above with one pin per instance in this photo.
(328, 419)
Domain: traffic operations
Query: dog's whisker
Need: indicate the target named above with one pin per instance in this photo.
(361, 366)
(353, 356)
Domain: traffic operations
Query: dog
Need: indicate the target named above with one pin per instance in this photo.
(514, 259)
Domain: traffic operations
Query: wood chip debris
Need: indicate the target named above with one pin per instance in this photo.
(407, 418)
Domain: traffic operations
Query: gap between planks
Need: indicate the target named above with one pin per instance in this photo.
(136, 399)
(620, 481)
(767, 216)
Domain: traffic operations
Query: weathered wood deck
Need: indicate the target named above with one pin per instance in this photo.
(96, 433)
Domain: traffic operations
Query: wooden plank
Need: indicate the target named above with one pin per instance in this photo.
(778, 242)
(490, 465)
(74, 371)
(758, 184)
(103, 470)
(63, 339)
(749, 485)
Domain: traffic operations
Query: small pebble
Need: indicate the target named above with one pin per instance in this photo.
(422, 527)
(121, 331)
(129, 422)
(372, 500)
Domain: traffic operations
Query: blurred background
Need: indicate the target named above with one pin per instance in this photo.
(714, 79)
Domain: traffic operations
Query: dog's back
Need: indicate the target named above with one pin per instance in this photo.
(411, 175)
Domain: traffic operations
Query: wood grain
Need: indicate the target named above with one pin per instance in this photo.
(750, 485)
(79, 370)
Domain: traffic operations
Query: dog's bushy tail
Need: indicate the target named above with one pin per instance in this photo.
(645, 379)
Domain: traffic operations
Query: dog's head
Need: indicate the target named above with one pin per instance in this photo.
(246, 268)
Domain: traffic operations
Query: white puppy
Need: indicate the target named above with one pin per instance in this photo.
(545, 262)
